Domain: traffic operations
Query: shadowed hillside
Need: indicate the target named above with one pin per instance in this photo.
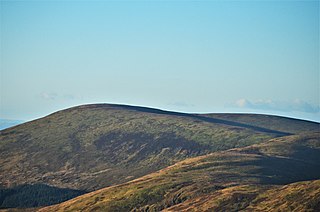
(34, 195)
(286, 125)
(93, 146)
(246, 178)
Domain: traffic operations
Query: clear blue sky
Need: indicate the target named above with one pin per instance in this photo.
(260, 57)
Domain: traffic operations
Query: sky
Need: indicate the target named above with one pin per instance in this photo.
(188, 56)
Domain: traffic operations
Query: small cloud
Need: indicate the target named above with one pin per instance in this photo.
(55, 96)
(296, 105)
(241, 103)
(49, 96)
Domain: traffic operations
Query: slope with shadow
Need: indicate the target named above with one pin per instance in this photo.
(254, 178)
(300, 196)
(286, 125)
(93, 146)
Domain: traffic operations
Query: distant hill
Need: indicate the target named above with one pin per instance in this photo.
(283, 124)
(6, 123)
(89, 147)
(250, 179)
(271, 122)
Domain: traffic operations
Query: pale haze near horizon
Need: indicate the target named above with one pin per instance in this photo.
(253, 57)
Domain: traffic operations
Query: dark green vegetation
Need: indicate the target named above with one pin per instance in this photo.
(93, 146)
(249, 178)
(35, 195)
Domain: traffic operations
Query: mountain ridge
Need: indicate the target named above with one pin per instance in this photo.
(168, 112)
(80, 147)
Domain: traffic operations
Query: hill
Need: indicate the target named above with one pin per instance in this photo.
(283, 124)
(255, 178)
(300, 196)
(89, 147)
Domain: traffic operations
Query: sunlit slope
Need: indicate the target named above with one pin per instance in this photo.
(93, 146)
(300, 196)
(239, 178)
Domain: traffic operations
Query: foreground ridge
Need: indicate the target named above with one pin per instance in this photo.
(259, 177)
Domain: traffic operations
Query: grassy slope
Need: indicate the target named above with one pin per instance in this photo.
(301, 196)
(241, 178)
(94, 146)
